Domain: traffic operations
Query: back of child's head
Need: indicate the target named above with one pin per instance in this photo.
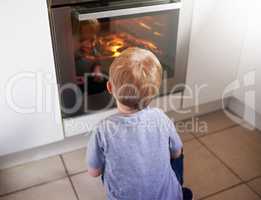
(135, 77)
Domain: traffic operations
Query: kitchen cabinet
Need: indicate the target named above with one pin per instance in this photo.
(217, 35)
(29, 106)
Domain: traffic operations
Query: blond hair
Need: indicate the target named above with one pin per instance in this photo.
(135, 77)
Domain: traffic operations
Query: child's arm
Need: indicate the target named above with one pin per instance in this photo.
(95, 156)
(177, 154)
(175, 142)
(94, 172)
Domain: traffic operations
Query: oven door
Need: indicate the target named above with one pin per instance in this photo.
(87, 39)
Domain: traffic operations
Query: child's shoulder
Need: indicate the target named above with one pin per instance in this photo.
(157, 110)
(108, 124)
(159, 113)
(150, 113)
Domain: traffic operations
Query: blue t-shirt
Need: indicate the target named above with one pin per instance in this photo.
(134, 153)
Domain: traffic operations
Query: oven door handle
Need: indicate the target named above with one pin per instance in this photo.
(128, 11)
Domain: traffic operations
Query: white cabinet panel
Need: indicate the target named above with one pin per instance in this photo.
(30, 113)
(218, 30)
(250, 60)
(249, 72)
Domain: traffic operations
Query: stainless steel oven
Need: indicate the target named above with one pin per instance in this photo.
(88, 35)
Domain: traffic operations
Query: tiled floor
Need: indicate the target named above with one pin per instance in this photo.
(222, 162)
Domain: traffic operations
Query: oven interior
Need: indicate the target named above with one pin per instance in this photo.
(98, 41)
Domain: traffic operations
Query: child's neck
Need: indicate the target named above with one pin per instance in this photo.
(125, 109)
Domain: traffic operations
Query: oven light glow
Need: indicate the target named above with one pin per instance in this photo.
(157, 33)
(145, 26)
(111, 45)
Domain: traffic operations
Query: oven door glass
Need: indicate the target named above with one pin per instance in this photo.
(97, 41)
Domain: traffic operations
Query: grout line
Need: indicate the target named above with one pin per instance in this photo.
(71, 182)
(28, 162)
(64, 165)
(195, 115)
(229, 188)
(188, 140)
(217, 157)
(230, 169)
(254, 178)
(221, 191)
(197, 138)
(47, 182)
(77, 173)
(215, 132)
(32, 186)
(247, 184)
(194, 138)
(208, 134)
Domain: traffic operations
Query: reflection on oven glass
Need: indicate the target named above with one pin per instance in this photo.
(98, 42)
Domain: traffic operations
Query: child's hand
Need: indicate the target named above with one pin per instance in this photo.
(94, 172)
(176, 154)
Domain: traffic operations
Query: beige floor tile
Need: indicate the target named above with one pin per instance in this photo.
(75, 161)
(256, 185)
(184, 134)
(185, 137)
(30, 174)
(210, 123)
(239, 148)
(205, 174)
(241, 192)
(88, 188)
(58, 190)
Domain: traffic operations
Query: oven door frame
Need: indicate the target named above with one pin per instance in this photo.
(61, 25)
(126, 11)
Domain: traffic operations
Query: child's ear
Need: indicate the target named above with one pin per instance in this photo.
(109, 87)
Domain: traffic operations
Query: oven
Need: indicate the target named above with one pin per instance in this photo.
(89, 34)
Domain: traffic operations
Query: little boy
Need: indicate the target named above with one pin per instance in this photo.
(133, 148)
